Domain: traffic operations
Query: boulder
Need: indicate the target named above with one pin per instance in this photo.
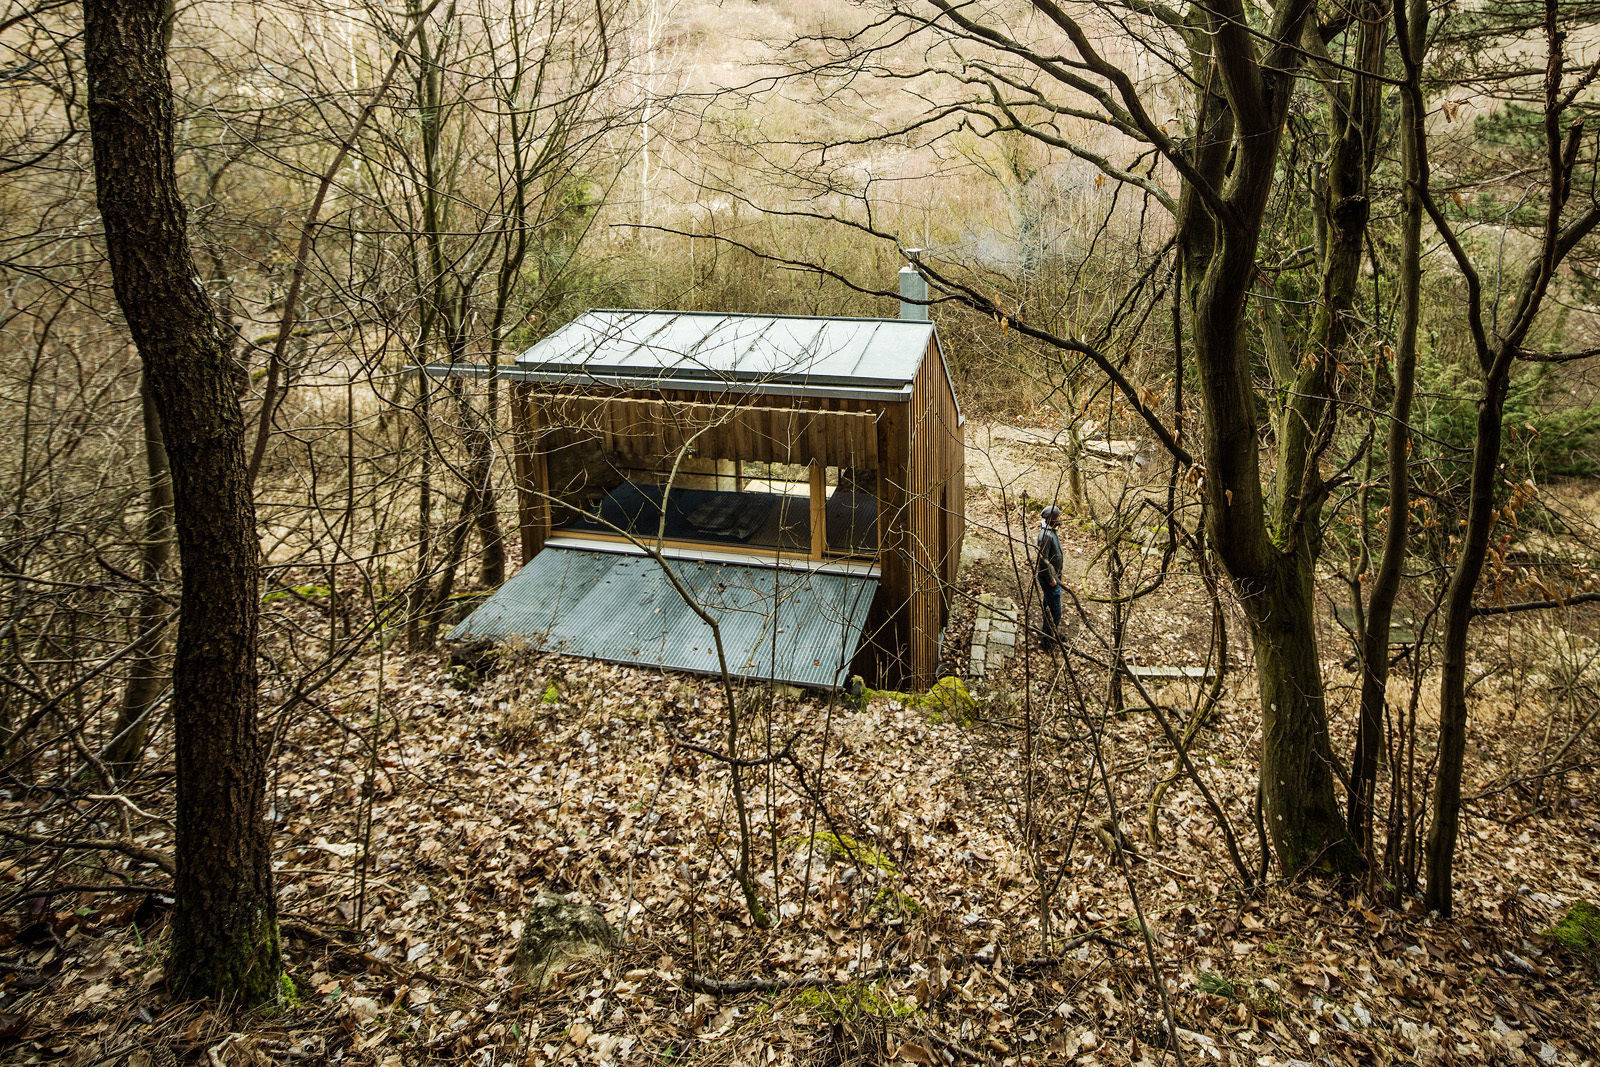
(555, 932)
(949, 698)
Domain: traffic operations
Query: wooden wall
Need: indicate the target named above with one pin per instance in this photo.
(936, 513)
(922, 509)
(762, 432)
(531, 471)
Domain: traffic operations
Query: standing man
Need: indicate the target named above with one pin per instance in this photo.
(1047, 573)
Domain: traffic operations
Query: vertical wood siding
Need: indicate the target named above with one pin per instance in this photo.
(936, 515)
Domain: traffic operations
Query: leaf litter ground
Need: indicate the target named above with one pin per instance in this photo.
(964, 899)
(926, 946)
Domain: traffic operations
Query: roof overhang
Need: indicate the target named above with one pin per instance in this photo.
(667, 384)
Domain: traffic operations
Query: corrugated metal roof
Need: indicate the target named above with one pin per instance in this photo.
(716, 347)
(778, 624)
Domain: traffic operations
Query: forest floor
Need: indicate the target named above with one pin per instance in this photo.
(979, 890)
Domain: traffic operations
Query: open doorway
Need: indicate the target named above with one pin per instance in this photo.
(770, 508)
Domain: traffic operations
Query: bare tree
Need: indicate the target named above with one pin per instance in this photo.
(1258, 134)
(1243, 73)
(225, 934)
(1499, 339)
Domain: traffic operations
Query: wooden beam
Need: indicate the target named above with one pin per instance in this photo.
(754, 551)
(819, 511)
(639, 426)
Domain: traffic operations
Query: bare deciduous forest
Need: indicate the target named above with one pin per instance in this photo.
(1261, 340)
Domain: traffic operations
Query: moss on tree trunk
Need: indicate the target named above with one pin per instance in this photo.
(1302, 815)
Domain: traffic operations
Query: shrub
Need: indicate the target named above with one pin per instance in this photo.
(1546, 436)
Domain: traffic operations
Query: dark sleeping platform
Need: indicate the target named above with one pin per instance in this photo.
(763, 520)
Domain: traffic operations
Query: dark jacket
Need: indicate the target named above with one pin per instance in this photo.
(1050, 561)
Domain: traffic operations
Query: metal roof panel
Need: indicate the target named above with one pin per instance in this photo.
(657, 345)
(777, 624)
(535, 599)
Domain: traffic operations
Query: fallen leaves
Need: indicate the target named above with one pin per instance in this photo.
(599, 804)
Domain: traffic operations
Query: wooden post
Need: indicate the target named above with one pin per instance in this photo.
(894, 468)
(819, 510)
(533, 508)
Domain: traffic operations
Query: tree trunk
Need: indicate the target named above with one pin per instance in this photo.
(419, 600)
(439, 602)
(1303, 817)
(1439, 851)
(145, 676)
(1271, 569)
(485, 514)
(1562, 144)
(1379, 612)
(1274, 586)
(1268, 543)
(224, 929)
(492, 571)
(1354, 108)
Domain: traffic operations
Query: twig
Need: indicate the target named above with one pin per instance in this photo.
(780, 756)
(720, 987)
(1479, 610)
(339, 947)
(161, 859)
(956, 1047)
(118, 798)
(1121, 854)
(63, 890)
(305, 930)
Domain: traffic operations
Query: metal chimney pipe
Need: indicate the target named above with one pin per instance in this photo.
(913, 286)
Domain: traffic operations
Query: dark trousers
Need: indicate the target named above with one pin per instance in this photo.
(1050, 599)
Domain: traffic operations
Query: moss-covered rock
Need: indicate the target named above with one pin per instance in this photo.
(948, 700)
(1579, 931)
(854, 1000)
(555, 932)
(837, 848)
(892, 903)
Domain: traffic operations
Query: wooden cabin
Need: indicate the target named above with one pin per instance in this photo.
(801, 478)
